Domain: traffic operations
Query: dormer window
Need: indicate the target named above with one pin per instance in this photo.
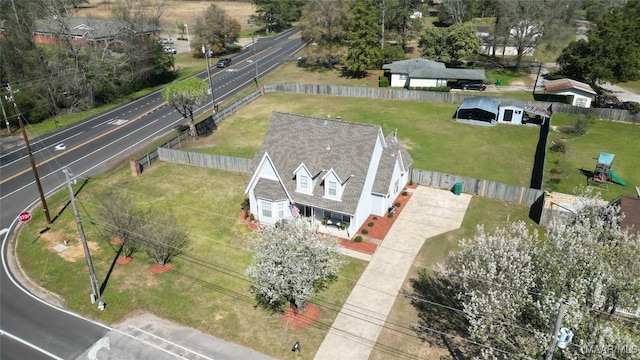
(332, 189)
(303, 183)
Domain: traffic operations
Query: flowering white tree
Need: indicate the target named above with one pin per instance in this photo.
(510, 283)
(291, 262)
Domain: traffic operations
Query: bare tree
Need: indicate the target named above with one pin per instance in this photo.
(163, 238)
(123, 219)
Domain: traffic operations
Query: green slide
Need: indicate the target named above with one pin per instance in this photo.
(617, 178)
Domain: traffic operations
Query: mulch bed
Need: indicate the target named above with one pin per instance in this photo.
(124, 260)
(297, 320)
(157, 269)
(363, 247)
(116, 241)
(382, 224)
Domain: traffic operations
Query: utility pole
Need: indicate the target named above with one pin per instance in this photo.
(255, 59)
(45, 208)
(95, 295)
(382, 39)
(556, 329)
(206, 51)
(4, 113)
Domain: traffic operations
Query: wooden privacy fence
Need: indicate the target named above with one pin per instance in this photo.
(230, 163)
(490, 189)
(204, 127)
(444, 97)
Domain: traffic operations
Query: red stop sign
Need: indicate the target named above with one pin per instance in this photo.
(24, 216)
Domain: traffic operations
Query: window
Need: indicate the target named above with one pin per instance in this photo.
(280, 210)
(346, 218)
(266, 209)
(332, 189)
(303, 182)
(396, 187)
(327, 214)
(402, 76)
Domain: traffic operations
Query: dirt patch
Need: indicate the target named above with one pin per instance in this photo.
(298, 320)
(76, 251)
(124, 260)
(517, 83)
(73, 250)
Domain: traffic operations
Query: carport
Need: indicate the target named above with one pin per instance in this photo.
(478, 110)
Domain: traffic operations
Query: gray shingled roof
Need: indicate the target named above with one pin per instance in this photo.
(321, 145)
(89, 28)
(428, 69)
(481, 102)
(387, 163)
(269, 190)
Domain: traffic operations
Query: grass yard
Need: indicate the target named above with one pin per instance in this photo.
(205, 290)
(501, 153)
(602, 136)
(398, 339)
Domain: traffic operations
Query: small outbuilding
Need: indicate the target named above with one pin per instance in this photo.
(511, 114)
(575, 92)
(478, 110)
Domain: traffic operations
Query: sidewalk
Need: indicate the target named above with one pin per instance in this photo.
(428, 213)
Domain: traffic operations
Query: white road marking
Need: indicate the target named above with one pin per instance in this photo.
(34, 347)
(100, 344)
(60, 147)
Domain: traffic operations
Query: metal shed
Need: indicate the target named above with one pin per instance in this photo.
(478, 110)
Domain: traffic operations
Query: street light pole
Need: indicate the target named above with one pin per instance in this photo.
(213, 98)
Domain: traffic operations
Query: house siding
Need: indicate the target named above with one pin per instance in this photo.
(398, 81)
(365, 206)
(424, 83)
(576, 97)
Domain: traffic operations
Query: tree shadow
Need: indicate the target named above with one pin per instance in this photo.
(435, 300)
(537, 172)
(66, 205)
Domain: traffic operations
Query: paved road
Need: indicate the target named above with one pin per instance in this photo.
(89, 148)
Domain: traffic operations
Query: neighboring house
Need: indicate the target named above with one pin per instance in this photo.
(630, 208)
(83, 29)
(416, 73)
(576, 92)
(319, 169)
(483, 32)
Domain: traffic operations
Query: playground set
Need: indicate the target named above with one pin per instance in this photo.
(603, 174)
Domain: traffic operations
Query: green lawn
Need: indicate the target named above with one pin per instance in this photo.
(206, 288)
(602, 136)
(633, 86)
(501, 153)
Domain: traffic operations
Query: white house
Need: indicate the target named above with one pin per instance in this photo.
(414, 73)
(576, 92)
(319, 169)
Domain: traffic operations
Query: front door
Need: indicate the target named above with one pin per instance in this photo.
(508, 115)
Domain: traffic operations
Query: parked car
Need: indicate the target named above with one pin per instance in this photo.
(170, 50)
(166, 41)
(472, 85)
(222, 63)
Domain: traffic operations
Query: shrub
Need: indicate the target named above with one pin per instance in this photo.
(556, 180)
(397, 204)
(434, 89)
(559, 146)
(370, 224)
(410, 182)
(384, 81)
(577, 125)
(390, 215)
(324, 221)
(365, 231)
(404, 193)
(252, 218)
(375, 218)
(358, 238)
(555, 171)
(343, 226)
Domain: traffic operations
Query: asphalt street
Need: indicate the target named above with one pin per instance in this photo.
(31, 328)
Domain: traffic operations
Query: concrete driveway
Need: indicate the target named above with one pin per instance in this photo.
(428, 213)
